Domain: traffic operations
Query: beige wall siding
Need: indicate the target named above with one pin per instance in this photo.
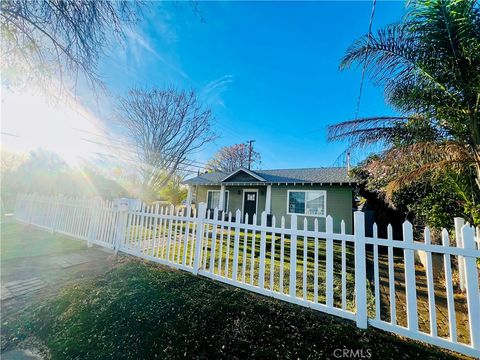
(339, 202)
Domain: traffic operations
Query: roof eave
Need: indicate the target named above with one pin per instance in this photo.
(346, 182)
(249, 172)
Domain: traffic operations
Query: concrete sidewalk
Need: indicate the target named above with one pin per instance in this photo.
(30, 279)
(27, 280)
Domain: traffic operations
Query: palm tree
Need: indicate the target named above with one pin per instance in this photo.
(429, 66)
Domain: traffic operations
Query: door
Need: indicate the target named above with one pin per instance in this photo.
(249, 204)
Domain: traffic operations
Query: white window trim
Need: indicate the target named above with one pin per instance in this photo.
(226, 202)
(243, 202)
(305, 191)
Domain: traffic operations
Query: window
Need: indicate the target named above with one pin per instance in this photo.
(213, 199)
(308, 202)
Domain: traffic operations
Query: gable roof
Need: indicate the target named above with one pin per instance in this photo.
(334, 175)
(242, 169)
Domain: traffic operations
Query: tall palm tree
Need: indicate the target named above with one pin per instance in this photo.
(429, 65)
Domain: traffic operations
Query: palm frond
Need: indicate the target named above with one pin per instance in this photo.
(414, 175)
(437, 47)
(394, 55)
(410, 163)
(429, 66)
(344, 130)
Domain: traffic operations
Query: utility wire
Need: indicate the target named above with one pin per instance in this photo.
(364, 69)
(365, 59)
(192, 162)
(186, 162)
(9, 134)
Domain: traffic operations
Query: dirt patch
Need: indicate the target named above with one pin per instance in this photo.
(461, 310)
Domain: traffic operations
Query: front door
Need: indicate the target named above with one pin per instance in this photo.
(249, 205)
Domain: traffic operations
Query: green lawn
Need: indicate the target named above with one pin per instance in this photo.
(248, 270)
(22, 241)
(143, 311)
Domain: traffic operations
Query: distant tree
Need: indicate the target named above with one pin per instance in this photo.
(46, 173)
(10, 162)
(101, 185)
(174, 192)
(164, 127)
(58, 37)
(232, 157)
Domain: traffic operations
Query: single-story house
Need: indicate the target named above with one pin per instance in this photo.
(308, 193)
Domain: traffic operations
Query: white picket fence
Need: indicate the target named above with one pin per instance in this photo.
(323, 270)
(477, 237)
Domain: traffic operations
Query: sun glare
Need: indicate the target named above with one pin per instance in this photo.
(31, 120)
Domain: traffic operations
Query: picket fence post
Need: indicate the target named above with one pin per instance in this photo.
(58, 214)
(459, 222)
(236, 244)
(360, 270)
(17, 207)
(92, 225)
(202, 210)
(293, 257)
(471, 286)
(263, 246)
(55, 215)
(120, 230)
(30, 208)
(410, 286)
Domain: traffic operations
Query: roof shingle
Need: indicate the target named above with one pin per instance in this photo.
(290, 176)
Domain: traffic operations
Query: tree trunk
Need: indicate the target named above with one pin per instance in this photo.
(476, 154)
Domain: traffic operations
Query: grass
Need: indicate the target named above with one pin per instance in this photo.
(18, 241)
(144, 311)
(248, 269)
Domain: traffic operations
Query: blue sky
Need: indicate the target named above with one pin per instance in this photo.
(269, 70)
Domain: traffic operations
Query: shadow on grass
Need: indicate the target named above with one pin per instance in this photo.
(20, 241)
(144, 311)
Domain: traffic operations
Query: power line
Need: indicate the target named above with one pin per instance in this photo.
(347, 153)
(191, 162)
(250, 150)
(186, 162)
(126, 160)
(227, 129)
(9, 134)
(365, 59)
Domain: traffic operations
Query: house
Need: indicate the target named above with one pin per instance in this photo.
(309, 193)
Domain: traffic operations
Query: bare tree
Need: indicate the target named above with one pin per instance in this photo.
(53, 37)
(165, 127)
(232, 157)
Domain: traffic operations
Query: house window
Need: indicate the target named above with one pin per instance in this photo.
(213, 199)
(308, 202)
